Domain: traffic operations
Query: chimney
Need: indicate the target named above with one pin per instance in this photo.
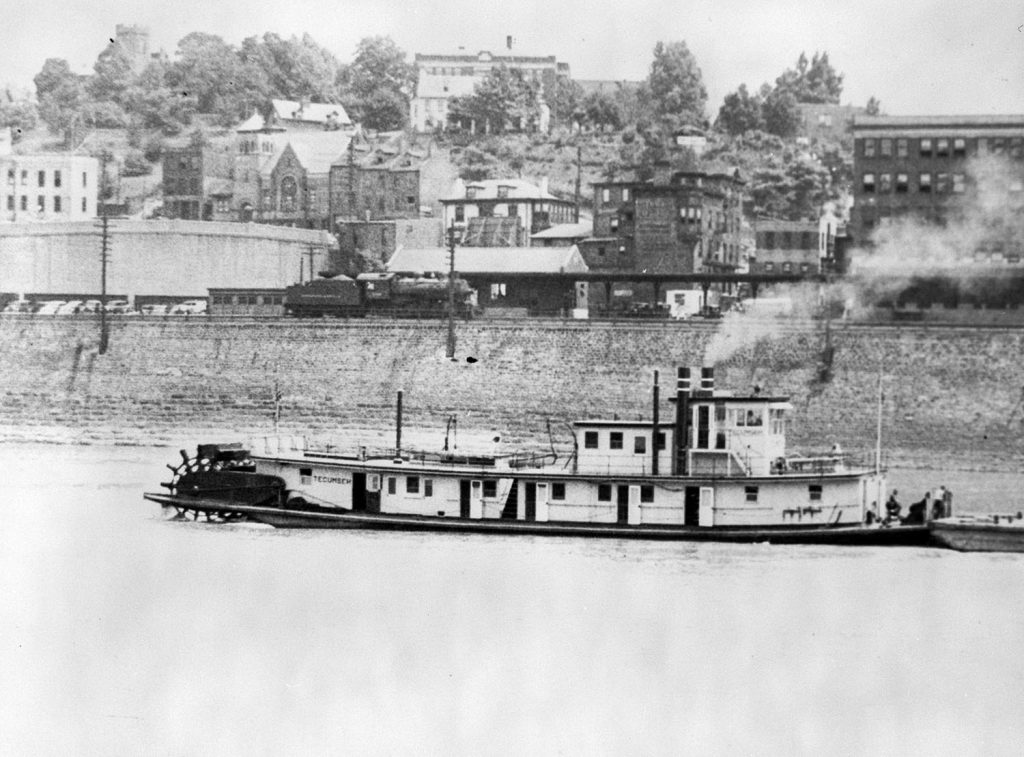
(544, 185)
(508, 41)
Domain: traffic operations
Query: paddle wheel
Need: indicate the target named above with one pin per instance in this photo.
(215, 478)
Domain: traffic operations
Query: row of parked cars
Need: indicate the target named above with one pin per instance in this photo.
(113, 307)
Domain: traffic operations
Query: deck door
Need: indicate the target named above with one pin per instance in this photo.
(465, 490)
(372, 492)
(707, 506)
(531, 501)
(358, 492)
(622, 504)
(691, 506)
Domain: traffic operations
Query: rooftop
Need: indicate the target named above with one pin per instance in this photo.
(480, 260)
(517, 189)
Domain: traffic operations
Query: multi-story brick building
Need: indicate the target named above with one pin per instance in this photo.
(504, 212)
(681, 222)
(922, 167)
(376, 183)
(442, 77)
(56, 187)
(194, 180)
(790, 247)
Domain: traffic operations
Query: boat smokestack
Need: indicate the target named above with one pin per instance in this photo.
(707, 381)
(398, 425)
(682, 416)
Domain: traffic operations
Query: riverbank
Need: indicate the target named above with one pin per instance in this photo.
(951, 396)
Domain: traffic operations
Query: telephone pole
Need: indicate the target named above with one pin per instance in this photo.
(104, 254)
(451, 293)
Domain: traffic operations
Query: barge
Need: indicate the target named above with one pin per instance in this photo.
(719, 470)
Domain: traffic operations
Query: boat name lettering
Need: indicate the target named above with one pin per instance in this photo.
(332, 480)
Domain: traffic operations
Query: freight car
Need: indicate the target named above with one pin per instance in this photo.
(424, 296)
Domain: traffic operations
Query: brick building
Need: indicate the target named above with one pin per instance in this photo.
(920, 166)
(683, 222)
(376, 184)
(442, 77)
(789, 247)
(504, 212)
(192, 176)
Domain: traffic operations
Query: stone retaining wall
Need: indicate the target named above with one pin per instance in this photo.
(951, 396)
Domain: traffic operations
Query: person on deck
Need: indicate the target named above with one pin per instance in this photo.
(892, 507)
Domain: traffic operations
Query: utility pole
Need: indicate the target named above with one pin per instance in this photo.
(450, 353)
(104, 254)
(579, 170)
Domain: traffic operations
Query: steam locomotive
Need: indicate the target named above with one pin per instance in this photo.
(423, 296)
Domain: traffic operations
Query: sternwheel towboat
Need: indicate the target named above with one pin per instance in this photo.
(718, 471)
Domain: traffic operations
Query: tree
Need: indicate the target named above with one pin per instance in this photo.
(378, 83)
(295, 69)
(112, 75)
(154, 104)
(565, 99)
(602, 111)
(812, 82)
(676, 85)
(213, 73)
(19, 116)
(61, 108)
(781, 116)
(740, 112)
(503, 99)
(874, 107)
(54, 73)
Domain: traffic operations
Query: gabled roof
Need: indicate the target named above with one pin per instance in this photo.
(252, 123)
(318, 113)
(518, 189)
(580, 230)
(490, 260)
(315, 150)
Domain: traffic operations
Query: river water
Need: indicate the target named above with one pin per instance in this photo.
(124, 633)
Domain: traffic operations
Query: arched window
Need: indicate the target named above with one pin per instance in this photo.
(289, 194)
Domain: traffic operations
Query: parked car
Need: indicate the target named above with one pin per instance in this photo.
(19, 306)
(189, 307)
(71, 307)
(49, 307)
(118, 307)
(152, 309)
(91, 306)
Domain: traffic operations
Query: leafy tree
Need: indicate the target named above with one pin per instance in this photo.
(212, 72)
(566, 100)
(815, 81)
(61, 108)
(874, 107)
(295, 68)
(781, 116)
(503, 99)
(135, 164)
(740, 112)
(601, 110)
(54, 73)
(20, 116)
(794, 192)
(377, 84)
(156, 105)
(112, 75)
(676, 85)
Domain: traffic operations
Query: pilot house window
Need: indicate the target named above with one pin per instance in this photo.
(590, 440)
(615, 440)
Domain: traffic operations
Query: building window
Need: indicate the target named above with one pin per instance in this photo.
(901, 148)
(10, 176)
(604, 492)
(614, 223)
(926, 148)
(924, 183)
(885, 183)
(56, 204)
(805, 267)
(751, 494)
(869, 182)
(10, 202)
(289, 194)
(41, 203)
(490, 488)
(590, 440)
(869, 148)
(24, 202)
(814, 492)
(959, 147)
(606, 195)
(902, 183)
(558, 491)
(460, 214)
(85, 179)
(787, 267)
(647, 493)
(769, 267)
(615, 440)
(84, 205)
(42, 178)
(412, 484)
(942, 183)
(24, 177)
(502, 192)
(56, 178)
(625, 194)
(885, 147)
(640, 445)
(958, 183)
(942, 147)
(392, 485)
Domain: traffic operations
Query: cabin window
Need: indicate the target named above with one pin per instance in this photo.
(392, 485)
(557, 491)
(412, 484)
(590, 440)
(751, 492)
(778, 423)
(490, 488)
(640, 445)
(305, 476)
(428, 487)
(604, 492)
(661, 440)
(647, 493)
(814, 492)
(615, 440)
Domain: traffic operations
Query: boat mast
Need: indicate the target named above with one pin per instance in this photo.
(878, 428)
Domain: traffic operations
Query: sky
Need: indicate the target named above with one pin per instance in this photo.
(918, 57)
